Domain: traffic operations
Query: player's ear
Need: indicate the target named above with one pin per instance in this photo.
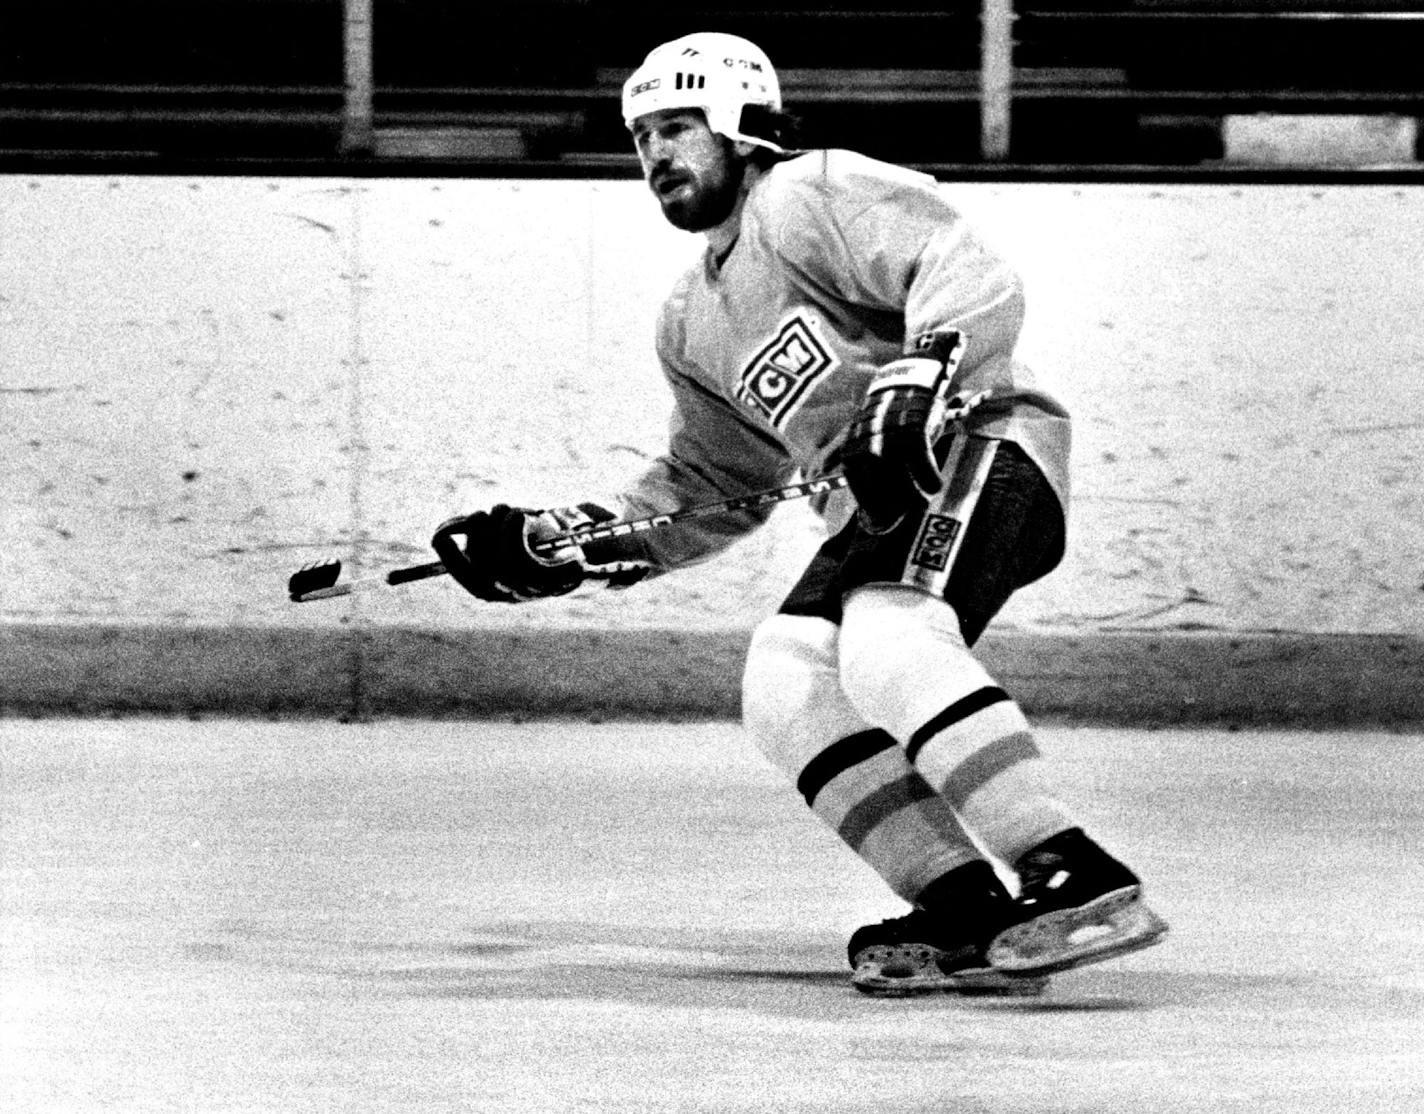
(743, 149)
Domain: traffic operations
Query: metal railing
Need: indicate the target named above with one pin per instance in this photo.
(1035, 64)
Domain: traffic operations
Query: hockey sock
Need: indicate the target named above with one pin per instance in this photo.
(906, 668)
(854, 777)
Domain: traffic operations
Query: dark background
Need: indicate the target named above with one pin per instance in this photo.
(533, 86)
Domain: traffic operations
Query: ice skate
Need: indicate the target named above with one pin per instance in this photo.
(1077, 905)
(940, 952)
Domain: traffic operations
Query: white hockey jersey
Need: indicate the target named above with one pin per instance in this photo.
(841, 259)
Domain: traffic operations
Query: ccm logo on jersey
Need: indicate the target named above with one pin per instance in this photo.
(936, 538)
(778, 377)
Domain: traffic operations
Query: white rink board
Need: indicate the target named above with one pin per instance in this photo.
(206, 382)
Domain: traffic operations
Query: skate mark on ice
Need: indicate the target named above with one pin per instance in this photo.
(697, 968)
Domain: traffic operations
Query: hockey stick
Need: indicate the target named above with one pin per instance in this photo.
(319, 581)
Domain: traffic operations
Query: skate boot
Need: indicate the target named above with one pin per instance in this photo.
(938, 948)
(1077, 905)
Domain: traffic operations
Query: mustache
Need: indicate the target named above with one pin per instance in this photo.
(665, 174)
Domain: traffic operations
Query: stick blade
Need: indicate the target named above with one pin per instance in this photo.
(313, 578)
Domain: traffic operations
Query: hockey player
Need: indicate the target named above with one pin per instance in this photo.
(843, 316)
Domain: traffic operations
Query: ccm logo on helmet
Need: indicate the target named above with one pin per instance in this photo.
(731, 61)
(646, 87)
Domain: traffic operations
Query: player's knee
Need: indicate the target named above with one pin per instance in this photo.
(895, 641)
(789, 662)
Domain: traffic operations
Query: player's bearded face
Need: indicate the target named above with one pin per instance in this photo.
(693, 172)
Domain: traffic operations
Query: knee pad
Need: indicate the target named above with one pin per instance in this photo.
(903, 658)
(792, 705)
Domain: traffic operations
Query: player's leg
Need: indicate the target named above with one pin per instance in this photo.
(857, 780)
(908, 667)
(853, 777)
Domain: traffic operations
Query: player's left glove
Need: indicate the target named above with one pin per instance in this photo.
(497, 559)
(888, 458)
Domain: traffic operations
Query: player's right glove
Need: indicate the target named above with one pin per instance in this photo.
(888, 457)
(498, 560)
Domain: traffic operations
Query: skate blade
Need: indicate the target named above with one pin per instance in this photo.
(1115, 924)
(887, 972)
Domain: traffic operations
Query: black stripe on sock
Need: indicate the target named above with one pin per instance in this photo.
(839, 757)
(960, 710)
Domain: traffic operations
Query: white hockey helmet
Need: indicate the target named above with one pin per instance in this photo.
(719, 73)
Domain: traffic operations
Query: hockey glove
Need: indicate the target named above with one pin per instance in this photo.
(497, 560)
(889, 456)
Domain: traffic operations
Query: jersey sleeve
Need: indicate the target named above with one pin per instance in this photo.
(712, 454)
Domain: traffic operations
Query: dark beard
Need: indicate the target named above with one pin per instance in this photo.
(708, 206)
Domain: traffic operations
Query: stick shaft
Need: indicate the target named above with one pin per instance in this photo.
(654, 522)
